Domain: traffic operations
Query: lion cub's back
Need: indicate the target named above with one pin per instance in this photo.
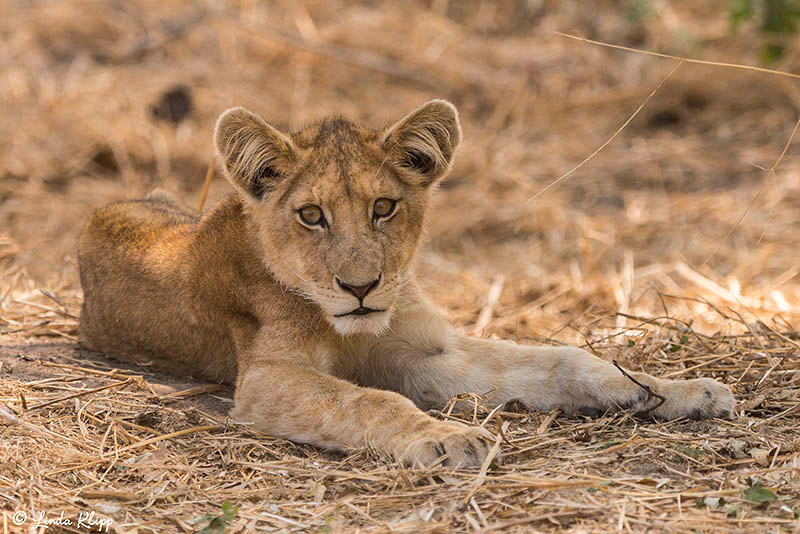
(133, 259)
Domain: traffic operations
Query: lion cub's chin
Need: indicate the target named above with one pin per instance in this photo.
(375, 323)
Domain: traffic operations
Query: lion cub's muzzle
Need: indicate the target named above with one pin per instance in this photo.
(359, 291)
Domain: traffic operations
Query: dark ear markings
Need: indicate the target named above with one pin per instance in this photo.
(423, 142)
(256, 156)
(419, 161)
(259, 182)
(258, 188)
(264, 180)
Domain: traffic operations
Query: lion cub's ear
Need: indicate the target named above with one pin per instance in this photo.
(423, 142)
(256, 156)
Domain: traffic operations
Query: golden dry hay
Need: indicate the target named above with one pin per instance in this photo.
(104, 101)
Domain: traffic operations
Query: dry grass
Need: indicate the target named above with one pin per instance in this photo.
(612, 258)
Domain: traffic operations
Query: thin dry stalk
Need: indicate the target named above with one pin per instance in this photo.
(610, 139)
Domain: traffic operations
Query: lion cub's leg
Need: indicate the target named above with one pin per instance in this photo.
(429, 363)
(577, 381)
(545, 378)
(308, 406)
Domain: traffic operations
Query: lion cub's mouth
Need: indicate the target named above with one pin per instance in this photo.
(361, 310)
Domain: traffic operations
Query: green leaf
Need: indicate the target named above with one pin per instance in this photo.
(636, 11)
(772, 52)
(219, 524)
(780, 16)
(692, 452)
(739, 11)
(607, 444)
(758, 494)
(229, 510)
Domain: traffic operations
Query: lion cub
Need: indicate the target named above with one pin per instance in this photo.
(299, 288)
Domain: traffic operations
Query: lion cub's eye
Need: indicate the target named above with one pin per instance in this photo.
(311, 216)
(384, 207)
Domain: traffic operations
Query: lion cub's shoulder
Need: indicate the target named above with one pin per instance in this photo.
(134, 221)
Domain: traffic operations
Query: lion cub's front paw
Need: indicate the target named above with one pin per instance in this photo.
(460, 445)
(696, 399)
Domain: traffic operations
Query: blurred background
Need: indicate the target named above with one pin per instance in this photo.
(105, 100)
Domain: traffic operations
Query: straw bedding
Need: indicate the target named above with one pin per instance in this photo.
(674, 250)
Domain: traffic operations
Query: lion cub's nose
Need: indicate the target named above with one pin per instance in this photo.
(358, 292)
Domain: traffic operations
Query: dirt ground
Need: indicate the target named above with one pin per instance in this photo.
(675, 249)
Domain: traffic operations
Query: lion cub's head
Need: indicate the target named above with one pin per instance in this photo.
(340, 208)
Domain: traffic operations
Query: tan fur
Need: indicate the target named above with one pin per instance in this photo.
(248, 294)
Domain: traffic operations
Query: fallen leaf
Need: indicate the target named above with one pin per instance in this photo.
(758, 494)
(736, 448)
(761, 456)
(751, 404)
